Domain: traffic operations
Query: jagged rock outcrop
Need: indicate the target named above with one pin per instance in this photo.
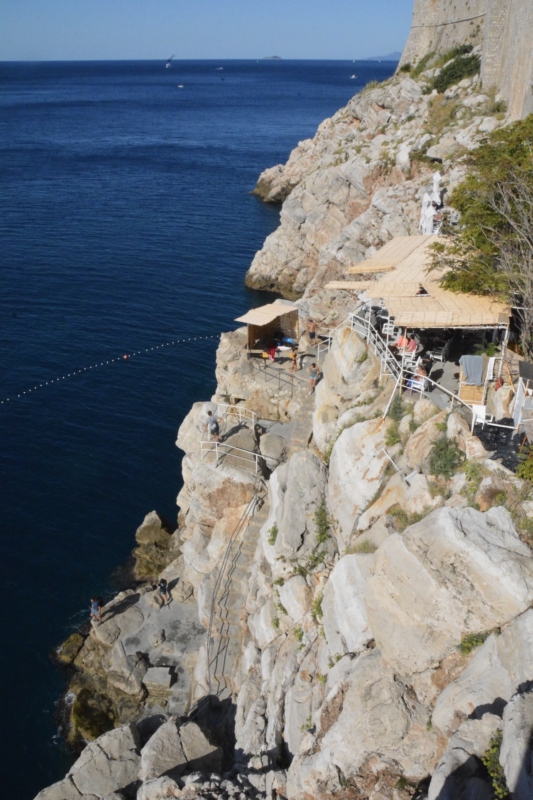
(360, 180)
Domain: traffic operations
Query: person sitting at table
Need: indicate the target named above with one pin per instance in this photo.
(411, 345)
(418, 379)
(401, 342)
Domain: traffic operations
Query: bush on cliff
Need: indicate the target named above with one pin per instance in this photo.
(460, 68)
(492, 252)
(445, 457)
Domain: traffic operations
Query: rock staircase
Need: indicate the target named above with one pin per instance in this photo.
(227, 629)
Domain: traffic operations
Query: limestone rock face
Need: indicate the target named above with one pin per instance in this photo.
(374, 719)
(108, 764)
(297, 489)
(62, 790)
(491, 678)
(420, 443)
(444, 578)
(295, 596)
(516, 755)
(159, 789)
(173, 749)
(356, 470)
(459, 773)
(345, 619)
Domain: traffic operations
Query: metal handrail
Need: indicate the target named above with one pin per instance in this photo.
(244, 415)
(399, 370)
(287, 378)
(248, 513)
(241, 412)
(214, 447)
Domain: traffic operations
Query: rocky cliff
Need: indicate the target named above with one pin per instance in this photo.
(341, 626)
(336, 630)
(361, 180)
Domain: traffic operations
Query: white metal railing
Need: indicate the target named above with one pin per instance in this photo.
(402, 370)
(327, 339)
(222, 449)
(239, 413)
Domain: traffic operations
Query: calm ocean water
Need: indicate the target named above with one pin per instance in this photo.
(126, 221)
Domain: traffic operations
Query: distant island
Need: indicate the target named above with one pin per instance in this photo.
(390, 57)
(272, 58)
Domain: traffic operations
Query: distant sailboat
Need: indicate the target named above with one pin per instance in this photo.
(352, 77)
(219, 68)
(181, 86)
(169, 62)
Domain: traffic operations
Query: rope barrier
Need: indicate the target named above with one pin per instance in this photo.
(104, 363)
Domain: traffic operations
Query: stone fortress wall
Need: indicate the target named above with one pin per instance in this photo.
(503, 27)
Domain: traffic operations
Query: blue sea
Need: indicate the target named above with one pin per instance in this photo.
(126, 222)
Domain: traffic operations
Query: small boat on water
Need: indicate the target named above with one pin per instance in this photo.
(352, 77)
(169, 62)
(181, 86)
(219, 68)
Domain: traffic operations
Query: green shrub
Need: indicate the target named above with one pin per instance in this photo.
(397, 409)
(298, 632)
(490, 349)
(445, 457)
(474, 473)
(316, 607)
(322, 522)
(371, 85)
(455, 52)
(471, 641)
(460, 68)
(299, 569)
(272, 535)
(317, 557)
(422, 65)
(524, 469)
(407, 67)
(362, 547)
(363, 358)
(307, 725)
(392, 436)
(279, 582)
(402, 519)
(491, 760)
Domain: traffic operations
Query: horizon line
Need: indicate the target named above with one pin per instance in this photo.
(162, 58)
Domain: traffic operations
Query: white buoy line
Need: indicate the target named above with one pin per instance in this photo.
(103, 364)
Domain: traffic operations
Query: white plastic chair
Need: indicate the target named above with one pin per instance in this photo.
(479, 415)
(417, 384)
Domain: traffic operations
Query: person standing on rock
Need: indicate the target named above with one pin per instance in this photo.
(212, 426)
(313, 377)
(96, 609)
(294, 359)
(311, 330)
(164, 591)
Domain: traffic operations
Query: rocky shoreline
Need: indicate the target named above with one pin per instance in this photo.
(335, 630)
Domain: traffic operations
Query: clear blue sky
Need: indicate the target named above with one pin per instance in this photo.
(130, 29)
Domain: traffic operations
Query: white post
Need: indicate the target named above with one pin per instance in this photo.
(504, 348)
